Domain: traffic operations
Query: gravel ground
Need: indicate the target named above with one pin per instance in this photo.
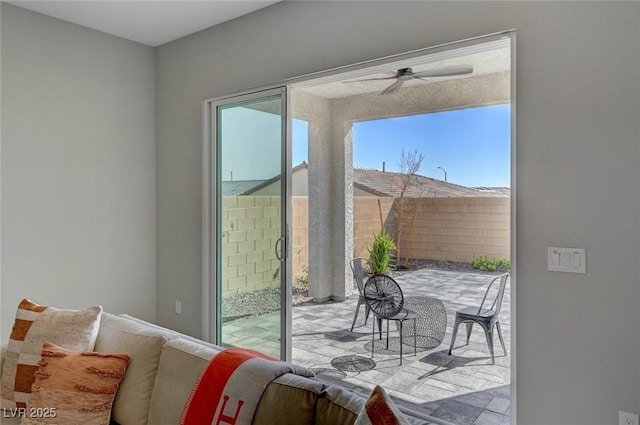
(259, 302)
(267, 300)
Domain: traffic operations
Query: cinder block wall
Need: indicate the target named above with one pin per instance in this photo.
(300, 241)
(366, 217)
(251, 227)
(454, 229)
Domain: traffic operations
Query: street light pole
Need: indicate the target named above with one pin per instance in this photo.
(445, 173)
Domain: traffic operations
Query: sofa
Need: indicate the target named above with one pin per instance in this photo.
(165, 365)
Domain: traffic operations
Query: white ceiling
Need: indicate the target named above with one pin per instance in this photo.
(156, 22)
(151, 22)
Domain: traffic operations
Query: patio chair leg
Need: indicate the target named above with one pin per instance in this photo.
(415, 339)
(454, 334)
(355, 315)
(488, 332)
(501, 338)
(388, 334)
(401, 341)
(469, 328)
(373, 337)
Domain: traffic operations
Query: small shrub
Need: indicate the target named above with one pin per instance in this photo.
(380, 253)
(491, 265)
(303, 279)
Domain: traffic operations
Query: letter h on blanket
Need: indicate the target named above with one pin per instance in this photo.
(222, 418)
(235, 375)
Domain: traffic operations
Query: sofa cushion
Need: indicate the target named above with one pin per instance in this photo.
(289, 400)
(143, 344)
(34, 325)
(338, 406)
(74, 388)
(181, 363)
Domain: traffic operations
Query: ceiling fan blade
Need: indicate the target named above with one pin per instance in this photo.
(445, 72)
(370, 79)
(393, 87)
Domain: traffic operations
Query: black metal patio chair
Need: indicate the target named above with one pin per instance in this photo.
(385, 299)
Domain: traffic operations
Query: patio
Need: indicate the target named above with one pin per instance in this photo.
(464, 388)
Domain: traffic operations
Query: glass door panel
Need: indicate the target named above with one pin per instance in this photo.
(251, 225)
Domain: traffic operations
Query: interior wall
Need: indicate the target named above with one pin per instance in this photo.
(78, 168)
(576, 164)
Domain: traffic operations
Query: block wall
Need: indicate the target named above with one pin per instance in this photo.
(367, 211)
(300, 241)
(251, 227)
(454, 229)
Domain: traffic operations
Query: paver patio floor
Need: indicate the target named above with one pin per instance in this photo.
(464, 388)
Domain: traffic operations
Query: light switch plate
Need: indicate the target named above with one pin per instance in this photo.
(568, 260)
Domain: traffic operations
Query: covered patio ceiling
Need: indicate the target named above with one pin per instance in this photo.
(331, 104)
(486, 59)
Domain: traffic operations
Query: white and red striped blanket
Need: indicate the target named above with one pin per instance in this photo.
(230, 387)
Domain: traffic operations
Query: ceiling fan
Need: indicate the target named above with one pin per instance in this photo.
(406, 74)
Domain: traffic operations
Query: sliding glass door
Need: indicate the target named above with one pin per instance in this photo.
(250, 286)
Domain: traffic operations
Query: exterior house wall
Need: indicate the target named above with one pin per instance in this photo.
(357, 192)
(299, 182)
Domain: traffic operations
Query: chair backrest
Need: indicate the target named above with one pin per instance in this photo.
(358, 274)
(384, 296)
(496, 306)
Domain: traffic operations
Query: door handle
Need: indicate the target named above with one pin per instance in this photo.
(278, 252)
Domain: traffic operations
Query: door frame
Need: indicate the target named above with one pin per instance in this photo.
(211, 326)
(352, 71)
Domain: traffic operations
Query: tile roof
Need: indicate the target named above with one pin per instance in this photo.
(383, 183)
(389, 183)
(239, 187)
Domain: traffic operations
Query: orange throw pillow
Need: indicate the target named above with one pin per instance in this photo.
(379, 409)
(34, 325)
(74, 388)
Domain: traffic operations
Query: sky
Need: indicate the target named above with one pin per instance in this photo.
(249, 151)
(472, 145)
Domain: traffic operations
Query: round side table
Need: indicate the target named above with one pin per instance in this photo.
(431, 321)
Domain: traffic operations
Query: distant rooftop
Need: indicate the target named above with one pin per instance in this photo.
(382, 183)
(498, 191)
(239, 187)
(389, 183)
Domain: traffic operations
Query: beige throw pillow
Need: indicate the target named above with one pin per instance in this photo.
(379, 409)
(74, 388)
(144, 344)
(34, 325)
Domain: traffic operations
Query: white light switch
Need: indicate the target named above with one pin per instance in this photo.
(569, 260)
